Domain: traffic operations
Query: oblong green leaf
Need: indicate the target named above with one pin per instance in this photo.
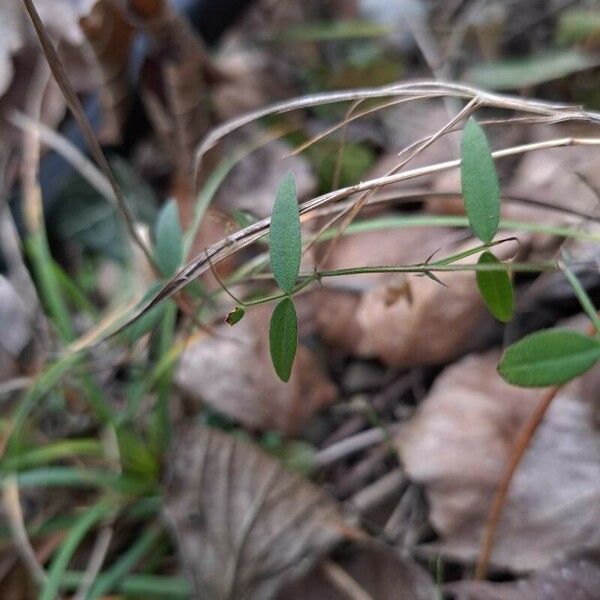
(549, 357)
(169, 239)
(283, 337)
(479, 182)
(285, 242)
(496, 289)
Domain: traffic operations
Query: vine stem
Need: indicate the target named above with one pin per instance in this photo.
(523, 442)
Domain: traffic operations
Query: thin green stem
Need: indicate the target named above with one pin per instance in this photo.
(514, 267)
(586, 302)
(111, 578)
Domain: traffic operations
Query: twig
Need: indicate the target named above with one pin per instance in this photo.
(12, 507)
(378, 492)
(349, 446)
(74, 104)
(95, 562)
(343, 582)
(430, 88)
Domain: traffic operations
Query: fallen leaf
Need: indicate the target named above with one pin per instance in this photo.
(16, 330)
(435, 325)
(576, 579)
(59, 16)
(380, 571)
(244, 525)
(457, 446)
(252, 184)
(232, 372)
(338, 303)
(110, 36)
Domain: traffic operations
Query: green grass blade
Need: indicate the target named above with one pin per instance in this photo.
(157, 587)
(586, 302)
(51, 452)
(76, 534)
(169, 239)
(110, 579)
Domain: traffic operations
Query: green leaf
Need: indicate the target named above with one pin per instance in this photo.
(517, 73)
(283, 337)
(84, 216)
(496, 289)
(169, 239)
(285, 236)
(235, 316)
(148, 321)
(69, 546)
(549, 357)
(479, 180)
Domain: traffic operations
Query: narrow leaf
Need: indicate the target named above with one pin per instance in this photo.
(283, 337)
(549, 357)
(169, 239)
(479, 181)
(285, 236)
(496, 289)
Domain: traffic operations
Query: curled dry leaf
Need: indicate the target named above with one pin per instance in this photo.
(245, 526)
(232, 372)
(337, 302)
(457, 446)
(379, 571)
(406, 331)
(575, 579)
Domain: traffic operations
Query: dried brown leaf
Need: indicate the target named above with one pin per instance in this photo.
(406, 331)
(457, 446)
(110, 37)
(575, 580)
(382, 573)
(232, 372)
(252, 184)
(178, 57)
(245, 526)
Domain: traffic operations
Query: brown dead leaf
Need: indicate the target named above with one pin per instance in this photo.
(232, 372)
(573, 580)
(174, 79)
(399, 318)
(110, 37)
(551, 176)
(245, 526)
(16, 329)
(336, 304)
(380, 572)
(59, 16)
(457, 446)
(252, 184)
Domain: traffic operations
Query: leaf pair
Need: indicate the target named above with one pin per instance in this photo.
(285, 248)
(481, 194)
(543, 358)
